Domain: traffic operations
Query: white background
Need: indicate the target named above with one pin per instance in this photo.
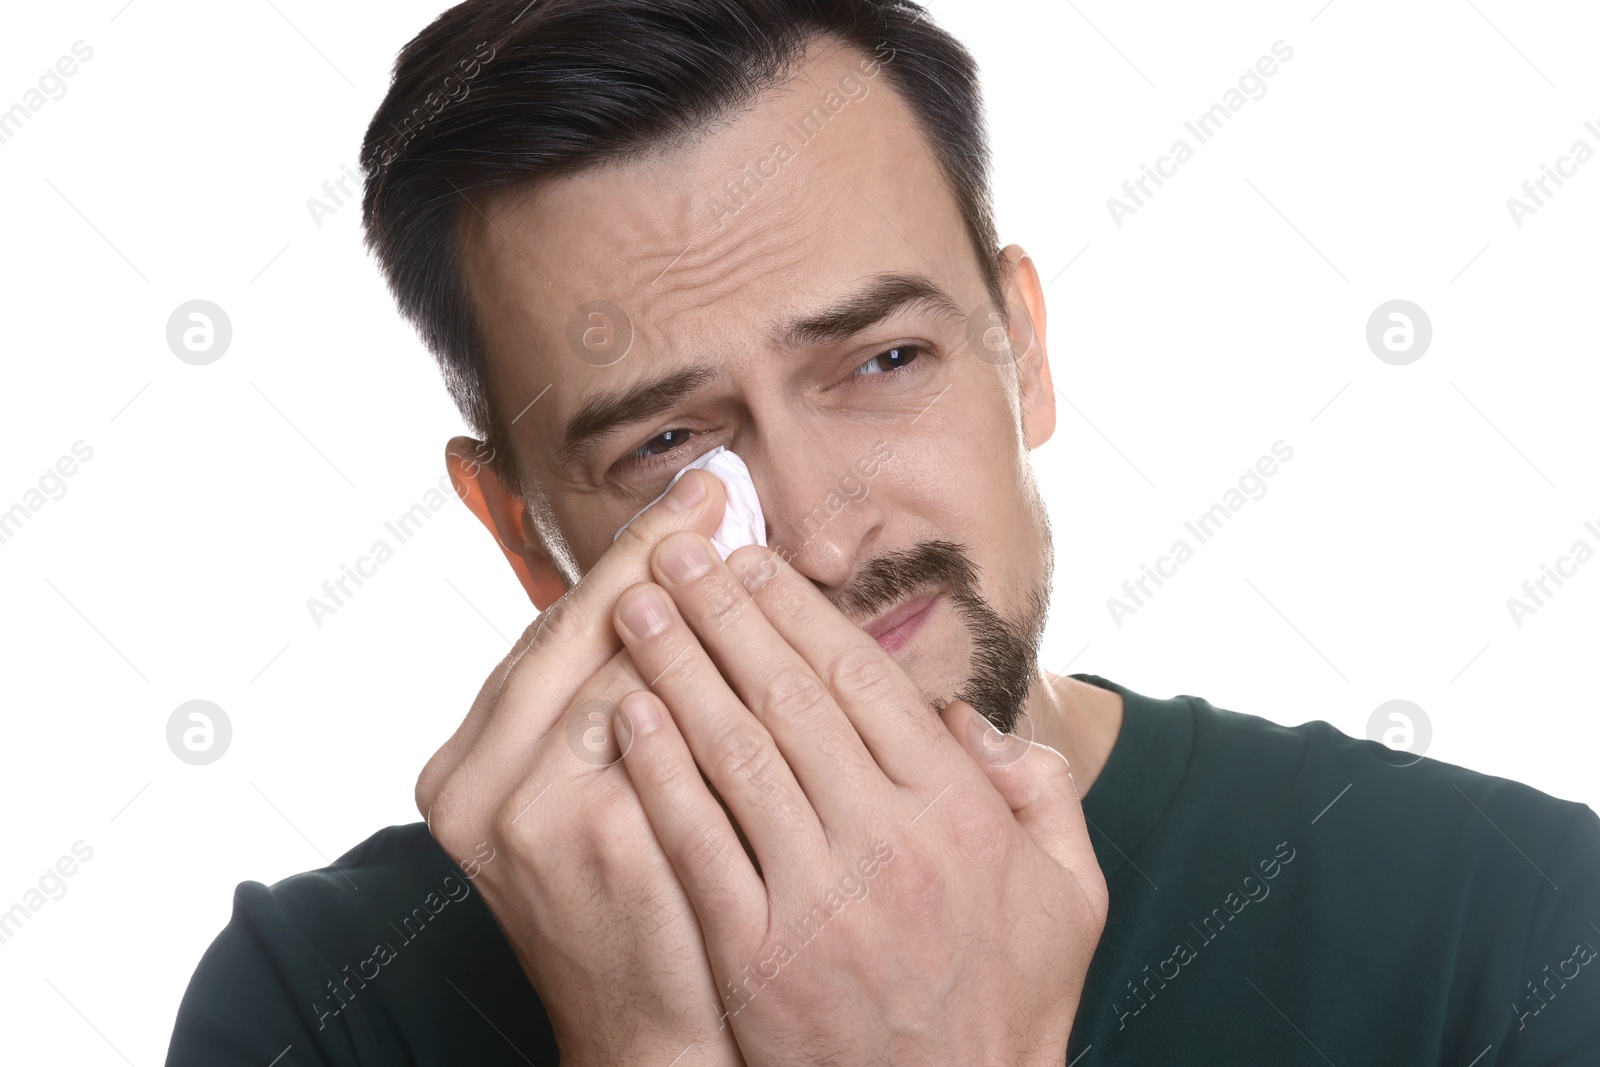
(1227, 314)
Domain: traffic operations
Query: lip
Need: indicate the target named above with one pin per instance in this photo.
(894, 629)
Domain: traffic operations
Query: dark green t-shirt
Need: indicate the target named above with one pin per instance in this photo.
(1279, 895)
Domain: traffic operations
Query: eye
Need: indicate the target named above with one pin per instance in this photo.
(652, 452)
(894, 359)
(663, 443)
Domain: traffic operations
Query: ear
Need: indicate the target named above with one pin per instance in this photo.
(1038, 394)
(501, 511)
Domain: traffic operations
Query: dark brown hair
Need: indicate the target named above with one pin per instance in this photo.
(499, 93)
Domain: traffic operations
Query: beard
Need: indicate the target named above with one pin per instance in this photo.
(1005, 652)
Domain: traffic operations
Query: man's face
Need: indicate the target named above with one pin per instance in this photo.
(762, 270)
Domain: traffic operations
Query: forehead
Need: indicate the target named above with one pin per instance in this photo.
(701, 251)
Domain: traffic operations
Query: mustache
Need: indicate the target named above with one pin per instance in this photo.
(1003, 652)
(888, 579)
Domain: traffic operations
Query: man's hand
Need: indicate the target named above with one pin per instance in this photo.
(577, 880)
(917, 900)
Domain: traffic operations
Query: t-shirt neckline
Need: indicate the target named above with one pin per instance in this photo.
(1142, 775)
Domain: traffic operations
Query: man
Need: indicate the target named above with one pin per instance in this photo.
(757, 810)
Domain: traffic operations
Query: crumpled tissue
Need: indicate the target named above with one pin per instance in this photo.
(742, 521)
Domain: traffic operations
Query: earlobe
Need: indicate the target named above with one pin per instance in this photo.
(501, 512)
(1038, 394)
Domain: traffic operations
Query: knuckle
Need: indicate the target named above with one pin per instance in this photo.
(430, 785)
(864, 671)
(756, 565)
(557, 620)
(794, 694)
(665, 775)
(722, 604)
(641, 535)
(983, 833)
(506, 820)
(451, 820)
(1097, 896)
(914, 887)
(781, 597)
(518, 818)
(744, 757)
(612, 829)
(1048, 764)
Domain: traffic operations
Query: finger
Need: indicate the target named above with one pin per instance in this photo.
(582, 742)
(1034, 780)
(450, 754)
(772, 678)
(569, 641)
(727, 893)
(887, 712)
(734, 750)
(573, 772)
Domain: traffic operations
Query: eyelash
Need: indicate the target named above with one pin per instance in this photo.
(634, 461)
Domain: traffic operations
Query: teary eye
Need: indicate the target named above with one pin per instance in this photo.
(646, 454)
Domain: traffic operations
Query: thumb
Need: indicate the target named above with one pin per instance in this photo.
(1033, 779)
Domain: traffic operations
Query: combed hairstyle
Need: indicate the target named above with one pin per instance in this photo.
(502, 93)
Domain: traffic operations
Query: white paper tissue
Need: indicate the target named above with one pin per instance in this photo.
(742, 522)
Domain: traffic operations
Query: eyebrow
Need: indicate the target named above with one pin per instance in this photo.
(884, 295)
(880, 298)
(613, 409)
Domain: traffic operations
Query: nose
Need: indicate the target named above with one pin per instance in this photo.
(821, 514)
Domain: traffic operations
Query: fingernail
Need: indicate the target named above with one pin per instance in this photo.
(644, 612)
(686, 492)
(640, 716)
(684, 558)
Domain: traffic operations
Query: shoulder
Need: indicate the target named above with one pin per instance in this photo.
(330, 908)
(344, 962)
(1365, 813)
(1300, 764)
(1484, 886)
(395, 863)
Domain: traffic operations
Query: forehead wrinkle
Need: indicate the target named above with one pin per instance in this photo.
(708, 279)
(726, 272)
